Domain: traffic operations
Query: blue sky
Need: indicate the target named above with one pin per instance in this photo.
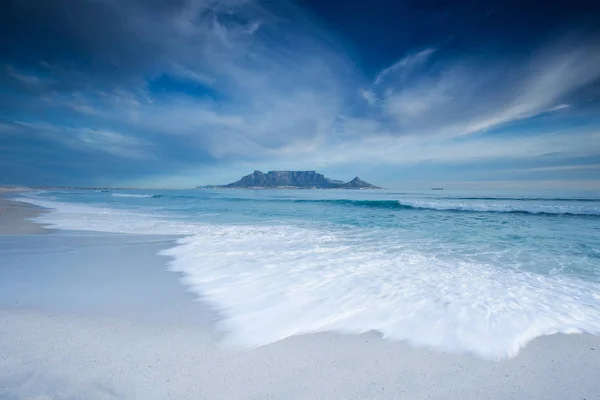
(161, 93)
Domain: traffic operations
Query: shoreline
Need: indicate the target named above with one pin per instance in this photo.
(16, 217)
(99, 316)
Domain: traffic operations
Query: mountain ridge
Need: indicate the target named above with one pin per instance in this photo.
(293, 180)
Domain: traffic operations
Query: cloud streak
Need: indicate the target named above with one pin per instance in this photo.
(86, 139)
(465, 96)
(402, 68)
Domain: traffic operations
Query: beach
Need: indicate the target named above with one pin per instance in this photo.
(90, 315)
(15, 217)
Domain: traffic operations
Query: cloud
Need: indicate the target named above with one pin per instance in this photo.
(111, 142)
(369, 96)
(253, 27)
(403, 151)
(88, 139)
(464, 95)
(22, 77)
(240, 82)
(558, 168)
(402, 68)
(262, 91)
(559, 107)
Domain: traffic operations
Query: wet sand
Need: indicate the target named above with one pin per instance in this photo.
(15, 217)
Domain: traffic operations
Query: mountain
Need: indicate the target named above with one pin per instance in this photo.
(358, 183)
(294, 179)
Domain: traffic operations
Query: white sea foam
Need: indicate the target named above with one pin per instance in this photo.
(271, 282)
(504, 206)
(131, 195)
(274, 283)
(82, 217)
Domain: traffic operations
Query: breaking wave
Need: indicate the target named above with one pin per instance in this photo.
(131, 195)
(470, 206)
(272, 282)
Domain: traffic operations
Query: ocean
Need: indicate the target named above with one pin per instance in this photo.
(479, 272)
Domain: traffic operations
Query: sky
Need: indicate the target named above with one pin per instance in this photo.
(180, 93)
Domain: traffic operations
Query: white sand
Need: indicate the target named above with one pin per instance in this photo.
(88, 316)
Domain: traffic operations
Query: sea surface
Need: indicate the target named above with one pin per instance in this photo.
(477, 272)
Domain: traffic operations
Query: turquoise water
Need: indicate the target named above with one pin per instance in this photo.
(479, 272)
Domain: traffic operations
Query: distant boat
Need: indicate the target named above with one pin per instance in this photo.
(437, 188)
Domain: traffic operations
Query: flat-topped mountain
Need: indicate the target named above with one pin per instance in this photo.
(296, 180)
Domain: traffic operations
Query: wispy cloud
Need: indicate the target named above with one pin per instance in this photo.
(557, 168)
(22, 77)
(559, 107)
(402, 68)
(111, 142)
(408, 150)
(88, 139)
(464, 95)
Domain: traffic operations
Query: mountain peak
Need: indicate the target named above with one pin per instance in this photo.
(358, 183)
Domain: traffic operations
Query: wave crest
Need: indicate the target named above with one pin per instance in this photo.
(470, 206)
(132, 195)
